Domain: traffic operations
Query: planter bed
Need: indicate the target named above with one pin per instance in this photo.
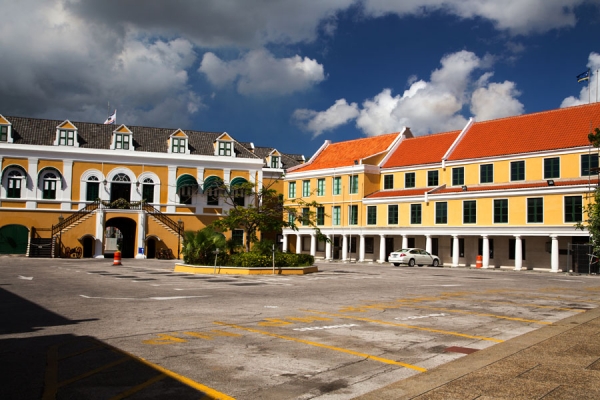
(204, 269)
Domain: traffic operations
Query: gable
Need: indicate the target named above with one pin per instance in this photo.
(67, 125)
(4, 121)
(179, 133)
(225, 136)
(122, 129)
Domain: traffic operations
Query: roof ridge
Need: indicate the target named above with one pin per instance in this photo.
(538, 113)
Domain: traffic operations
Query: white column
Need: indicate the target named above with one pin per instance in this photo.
(361, 248)
(404, 241)
(518, 253)
(344, 247)
(381, 248)
(66, 192)
(328, 245)
(313, 244)
(485, 257)
(226, 176)
(284, 243)
(31, 190)
(455, 250)
(99, 250)
(141, 234)
(554, 254)
(171, 188)
(298, 243)
(428, 245)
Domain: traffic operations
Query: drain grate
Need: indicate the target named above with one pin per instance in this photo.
(144, 279)
(247, 284)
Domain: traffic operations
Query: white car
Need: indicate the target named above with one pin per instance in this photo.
(412, 257)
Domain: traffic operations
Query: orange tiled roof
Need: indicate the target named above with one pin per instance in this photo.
(548, 130)
(398, 193)
(519, 185)
(343, 154)
(422, 150)
(481, 188)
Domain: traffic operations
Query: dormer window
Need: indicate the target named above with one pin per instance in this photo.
(122, 141)
(275, 162)
(5, 130)
(178, 145)
(225, 148)
(66, 135)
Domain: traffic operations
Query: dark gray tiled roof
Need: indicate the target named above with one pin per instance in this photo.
(288, 160)
(98, 136)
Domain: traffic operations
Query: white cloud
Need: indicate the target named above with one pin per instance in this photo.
(497, 100)
(588, 93)
(514, 16)
(56, 65)
(259, 72)
(318, 122)
(435, 105)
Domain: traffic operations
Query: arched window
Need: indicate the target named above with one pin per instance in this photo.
(121, 178)
(92, 190)
(13, 189)
(148, 190)
(49, 181)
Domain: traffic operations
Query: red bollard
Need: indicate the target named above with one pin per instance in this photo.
(117, 258)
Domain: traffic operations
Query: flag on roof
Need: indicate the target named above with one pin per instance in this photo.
(583, 76)
(112, 119)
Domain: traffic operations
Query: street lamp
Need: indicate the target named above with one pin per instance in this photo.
(216, 252)
(60, 221)
(179, 225)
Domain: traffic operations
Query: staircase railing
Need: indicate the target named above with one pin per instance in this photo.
(76, 216)
(175, 226)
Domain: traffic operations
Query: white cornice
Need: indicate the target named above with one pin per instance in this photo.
(125, 156)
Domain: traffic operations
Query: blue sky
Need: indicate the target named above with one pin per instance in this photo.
(290, 73)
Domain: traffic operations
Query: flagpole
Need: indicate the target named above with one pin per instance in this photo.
(589, 88)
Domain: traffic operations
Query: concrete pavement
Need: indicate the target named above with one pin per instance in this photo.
(559, 361)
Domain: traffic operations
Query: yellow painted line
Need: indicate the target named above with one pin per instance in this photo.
(199, 335)
(532, 321)
(210, 393)
(324, 346)
(51, 375)
(93, 372)
(400, 304)
(139, 387)
(420, 328)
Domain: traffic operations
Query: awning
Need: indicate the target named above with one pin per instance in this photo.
(186, 180)
(14, 166)
(237, 181)
(210, 182)
(53, 170)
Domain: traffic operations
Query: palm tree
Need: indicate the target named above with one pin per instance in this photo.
(199, 246)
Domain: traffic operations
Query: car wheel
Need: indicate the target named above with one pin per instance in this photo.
(411, 262)
(396, 264)
(436, 262)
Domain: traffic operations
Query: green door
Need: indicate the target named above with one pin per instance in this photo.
(13, 239)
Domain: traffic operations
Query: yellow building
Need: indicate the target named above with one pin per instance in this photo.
(84, 189)
(509, 190)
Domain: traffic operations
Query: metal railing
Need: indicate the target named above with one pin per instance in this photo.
(76, 216)
(175, 226)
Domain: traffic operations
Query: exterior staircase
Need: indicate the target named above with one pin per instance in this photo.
(46, 247)
(40, 247)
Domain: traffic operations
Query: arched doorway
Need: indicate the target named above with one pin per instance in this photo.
(123, 230)
(88, 246)
(151, 248)
(13, 239)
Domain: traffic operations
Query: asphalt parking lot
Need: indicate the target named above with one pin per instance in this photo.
(88, 329)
